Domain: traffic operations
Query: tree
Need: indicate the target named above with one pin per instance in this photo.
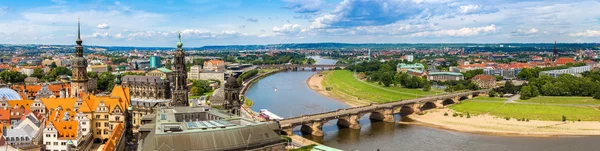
(168, 65)
(492, 93)
(473, 86)
(92, 75)
(109, 68)
(597, 95)
(38, 73)
(53, 65)
(386, 79)
(310, 61)
(12, 76)
(472, 73)
(427, 87)
(509, 87)
(196, 91)
(527, 93)
(106, 81)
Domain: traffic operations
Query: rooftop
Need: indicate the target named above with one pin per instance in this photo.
(446, 73)
(409, 66)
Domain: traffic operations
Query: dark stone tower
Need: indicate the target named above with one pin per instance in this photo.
(180, 90)
(79, 79)
(232, 96)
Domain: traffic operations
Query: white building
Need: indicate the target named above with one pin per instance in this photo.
(62, 131)
(24, 134)
(410, 58)
(575, 71)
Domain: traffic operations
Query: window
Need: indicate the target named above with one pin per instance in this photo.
(97, 124)
(55, 143)
(47, 143)
(106, 116)
(84, 129)
(98, 132)
(118, 118)
(98, 116)
(105, 124)
(105, 132)
(63, 143)
(83, 123)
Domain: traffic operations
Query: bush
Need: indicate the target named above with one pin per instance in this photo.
(527, 120)
(507, 118)
(445, 114)
(455, 115)
(492, 93)
(564, 118)
(579, 120)
(518, 119)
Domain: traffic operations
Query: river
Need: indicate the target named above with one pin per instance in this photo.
(294, 98)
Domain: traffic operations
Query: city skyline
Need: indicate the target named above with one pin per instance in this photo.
(208, 22)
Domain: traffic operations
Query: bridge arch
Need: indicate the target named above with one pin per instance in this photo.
(406, 110)
(428, 105)
(448, 102)
(375, 115)
(464, 97)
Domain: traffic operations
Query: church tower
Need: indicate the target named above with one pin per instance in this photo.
(233, 102)
(180, 90)
(79, 79)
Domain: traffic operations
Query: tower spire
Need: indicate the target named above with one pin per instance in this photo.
(179, 44)
(78, 28)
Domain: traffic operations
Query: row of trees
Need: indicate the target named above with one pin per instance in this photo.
(246, 75)
(458, 85)
(563, 85)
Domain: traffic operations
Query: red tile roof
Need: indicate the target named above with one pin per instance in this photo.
(484, 77)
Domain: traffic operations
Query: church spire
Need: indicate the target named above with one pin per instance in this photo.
(79, 47)
(179, 44)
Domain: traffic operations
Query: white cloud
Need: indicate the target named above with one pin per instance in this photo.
(468, 8)
(458, 32)
(304, 6)
(586, 33)
(288, 29)
(526, 32)
(103, 26)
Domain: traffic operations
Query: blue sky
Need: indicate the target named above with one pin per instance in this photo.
(234, 22)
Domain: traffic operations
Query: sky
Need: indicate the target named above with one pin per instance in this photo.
(242, 22)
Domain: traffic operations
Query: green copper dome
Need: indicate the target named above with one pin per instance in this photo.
(179, 44)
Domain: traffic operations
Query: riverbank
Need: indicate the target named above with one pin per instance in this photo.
(315, 82)
(492, 125)
(482, 123)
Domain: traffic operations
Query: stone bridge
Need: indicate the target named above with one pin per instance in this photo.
(294, 67)
(349, 117)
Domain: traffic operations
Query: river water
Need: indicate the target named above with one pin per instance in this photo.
(294, 98)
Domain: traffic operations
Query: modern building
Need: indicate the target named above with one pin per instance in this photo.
(200, 128)
(403, 67)
(410, 58)
(140, 64)
(445, 76)
(575, 71)
(154, 62)
(485, 81)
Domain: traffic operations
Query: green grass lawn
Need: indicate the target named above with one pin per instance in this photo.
(562, 100)
(529, 111)
(344, 81)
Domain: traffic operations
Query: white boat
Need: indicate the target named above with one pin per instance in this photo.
(275, 89)
(269, 115)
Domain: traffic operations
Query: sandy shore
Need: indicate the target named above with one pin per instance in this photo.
(315, 82)
(481, 124)
(486, 124)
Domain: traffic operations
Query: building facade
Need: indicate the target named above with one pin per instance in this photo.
(147, 93)
(485, 81)
(403, 67)
(154, 62)
(214, 65)
(445, 76)
(575, 71)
